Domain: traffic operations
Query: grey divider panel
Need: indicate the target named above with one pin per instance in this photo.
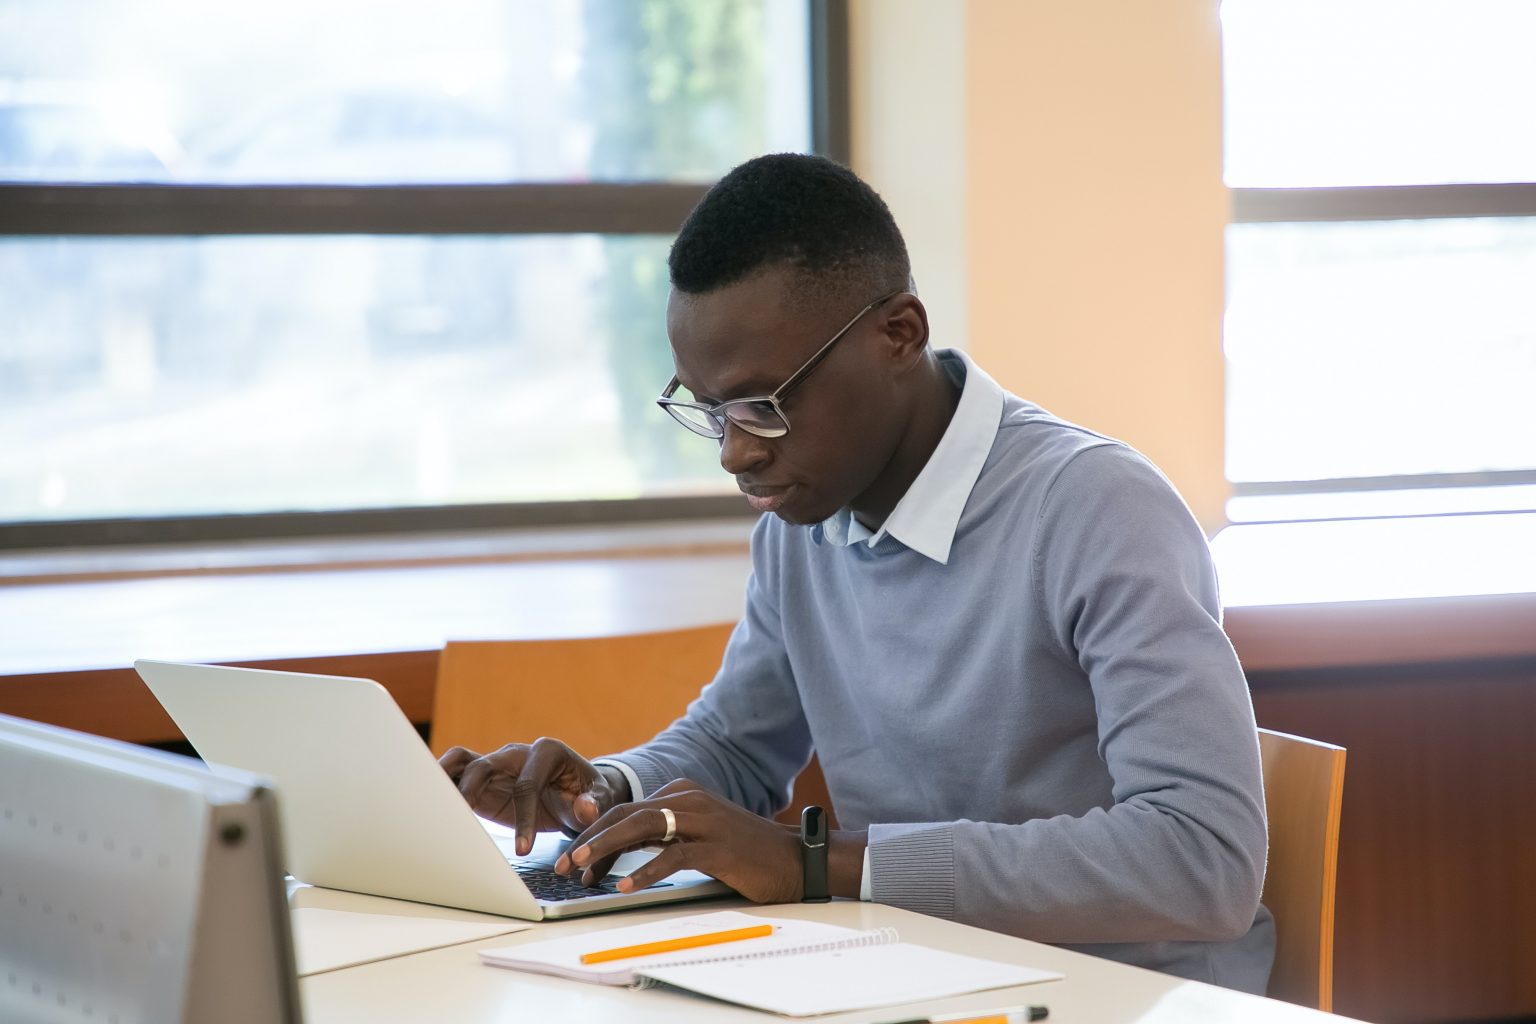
(136, 887)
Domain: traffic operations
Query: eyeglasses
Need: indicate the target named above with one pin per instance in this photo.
(763, 416)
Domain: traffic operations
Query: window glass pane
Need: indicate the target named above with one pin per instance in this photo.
(243, 374)
(1379, 92)
(359, 91)
(1383, 348)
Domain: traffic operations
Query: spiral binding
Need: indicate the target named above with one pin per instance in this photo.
(873, 937)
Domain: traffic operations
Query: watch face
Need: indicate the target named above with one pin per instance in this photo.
(813, 826)
(813, 853)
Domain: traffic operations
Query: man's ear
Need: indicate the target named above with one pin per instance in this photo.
(903, 322)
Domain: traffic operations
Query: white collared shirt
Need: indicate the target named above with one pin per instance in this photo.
(926, 516)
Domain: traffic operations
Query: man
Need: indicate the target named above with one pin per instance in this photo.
(999, 631)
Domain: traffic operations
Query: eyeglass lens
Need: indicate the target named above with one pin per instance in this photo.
(759, 418)
(696, 420)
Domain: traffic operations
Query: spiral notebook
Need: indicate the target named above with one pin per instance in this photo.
(803, 968)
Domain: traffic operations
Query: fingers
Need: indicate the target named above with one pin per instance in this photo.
(641, 824)
(672, 790)
(542, 785)
(753, 855)
(478, 781)
(668, 862)
(632, 826)
(549, 761)
(643, 827)
(621, 828)
(456, 760)
(586, 809)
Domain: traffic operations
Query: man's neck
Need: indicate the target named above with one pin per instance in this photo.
(934, 408)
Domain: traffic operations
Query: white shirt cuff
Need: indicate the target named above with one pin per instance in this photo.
(866, 885)
(636, 791)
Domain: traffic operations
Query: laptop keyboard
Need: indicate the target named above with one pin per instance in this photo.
(546, 885)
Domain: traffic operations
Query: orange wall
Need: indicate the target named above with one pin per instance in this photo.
(1056, 165)
(1095, 214)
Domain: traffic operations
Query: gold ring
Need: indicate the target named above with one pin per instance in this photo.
(666, 812)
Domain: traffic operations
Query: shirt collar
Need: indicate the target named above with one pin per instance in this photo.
(926, 517)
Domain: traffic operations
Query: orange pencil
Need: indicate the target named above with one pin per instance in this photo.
(757, 931)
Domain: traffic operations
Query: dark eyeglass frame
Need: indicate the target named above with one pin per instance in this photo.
(718, 414)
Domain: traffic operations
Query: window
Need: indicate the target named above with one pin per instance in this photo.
(264, 265)
(1381, 320)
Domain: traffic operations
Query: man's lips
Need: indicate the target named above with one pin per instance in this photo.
(764, 499)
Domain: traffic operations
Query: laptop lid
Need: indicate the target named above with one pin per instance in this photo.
(366, 806)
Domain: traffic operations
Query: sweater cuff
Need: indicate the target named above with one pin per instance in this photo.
(913, 867)
(645, 774)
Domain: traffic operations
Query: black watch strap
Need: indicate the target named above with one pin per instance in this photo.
(813, 854)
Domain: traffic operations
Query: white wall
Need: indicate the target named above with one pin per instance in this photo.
(908, 97)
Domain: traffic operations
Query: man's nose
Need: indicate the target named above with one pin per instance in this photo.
(742, 451)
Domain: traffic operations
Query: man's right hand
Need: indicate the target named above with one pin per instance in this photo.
(535, 787)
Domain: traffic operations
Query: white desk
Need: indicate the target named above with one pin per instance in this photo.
(452, 985)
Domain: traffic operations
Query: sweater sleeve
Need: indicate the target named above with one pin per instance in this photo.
(745, 737)
(1127, 591)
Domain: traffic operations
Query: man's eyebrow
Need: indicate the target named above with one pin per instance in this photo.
(696, 395)
(752, 387)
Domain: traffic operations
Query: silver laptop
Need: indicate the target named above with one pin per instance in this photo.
(365, 805)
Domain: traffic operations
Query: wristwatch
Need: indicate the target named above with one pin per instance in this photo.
(813, 854)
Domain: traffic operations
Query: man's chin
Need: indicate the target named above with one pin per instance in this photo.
(796, 515)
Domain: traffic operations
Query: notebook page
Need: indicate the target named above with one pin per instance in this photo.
(563, 956)
(833, 981)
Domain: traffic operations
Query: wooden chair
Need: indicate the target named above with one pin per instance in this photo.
(601, 695)
(1303, 790)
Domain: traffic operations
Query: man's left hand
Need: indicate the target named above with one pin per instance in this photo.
(757, 857)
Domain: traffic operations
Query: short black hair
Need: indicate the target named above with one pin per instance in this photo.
(806, 212)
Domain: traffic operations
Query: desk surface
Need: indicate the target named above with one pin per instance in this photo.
(452, 985)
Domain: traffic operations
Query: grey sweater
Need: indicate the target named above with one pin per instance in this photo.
(1047, 735)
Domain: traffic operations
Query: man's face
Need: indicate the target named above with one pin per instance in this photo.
(748, 338)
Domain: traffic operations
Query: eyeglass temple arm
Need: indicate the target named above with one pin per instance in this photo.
(821, 353)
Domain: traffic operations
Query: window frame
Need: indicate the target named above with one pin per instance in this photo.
(1382, 202)
(523, 208)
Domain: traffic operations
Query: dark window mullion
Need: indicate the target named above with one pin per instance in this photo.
(357, 522)
(613, 209)
(832, 133)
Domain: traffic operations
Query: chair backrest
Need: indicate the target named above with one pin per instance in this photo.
(598, 694)
(1303, 791)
